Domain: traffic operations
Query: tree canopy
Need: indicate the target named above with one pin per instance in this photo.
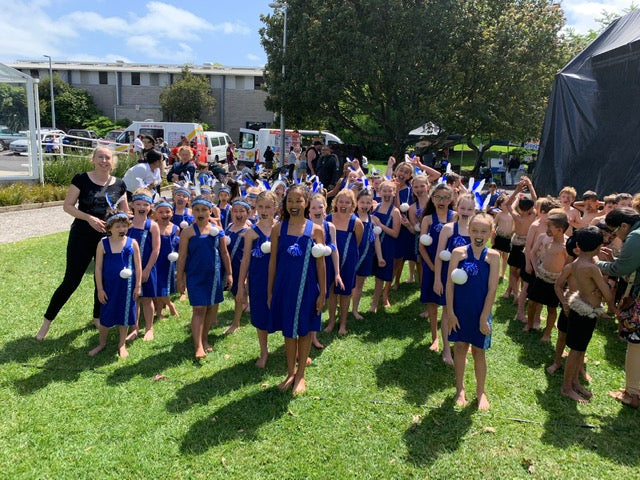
(73, 106)
(380, 68)
(188, 99)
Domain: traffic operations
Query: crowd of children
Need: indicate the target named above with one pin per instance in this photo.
(282, 257)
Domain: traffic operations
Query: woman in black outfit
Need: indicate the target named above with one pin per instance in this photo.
(86, 201)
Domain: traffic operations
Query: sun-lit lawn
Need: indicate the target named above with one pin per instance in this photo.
(379, 404)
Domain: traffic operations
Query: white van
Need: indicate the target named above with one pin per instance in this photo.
(216, 144)
(253, 143)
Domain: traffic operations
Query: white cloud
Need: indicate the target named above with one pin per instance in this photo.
(581, 15)
(108, 58)
(253, 57)
(142, 43)
(229, 28)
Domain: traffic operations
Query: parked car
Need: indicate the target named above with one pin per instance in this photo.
(111, 136)
(7, 136)
(48, 138)
(216, 143)
(77, 137)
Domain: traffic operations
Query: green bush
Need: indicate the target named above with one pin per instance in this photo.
(19, 193)
(60, 170)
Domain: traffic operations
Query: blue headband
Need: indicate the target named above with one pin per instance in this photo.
(244, 204)
(202, 201)
(116, 217)
(252, 195)
(183, 190)
(224, 189)
(162, 204)
(143, 197)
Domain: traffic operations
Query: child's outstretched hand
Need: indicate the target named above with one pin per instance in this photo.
(102, 297)
(485, 328)
(229, 282)
(391, 162)
(452, 323)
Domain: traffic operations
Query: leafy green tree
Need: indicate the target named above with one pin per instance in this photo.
(73, 106)
(188, 99)
(13, 106)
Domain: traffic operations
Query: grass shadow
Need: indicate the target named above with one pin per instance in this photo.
(23, 349)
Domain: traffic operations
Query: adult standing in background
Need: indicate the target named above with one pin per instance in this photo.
(231, 157)
(148, 170)
(513, 167)
(88, 199)
(184, 167)
(312, 154)
(268, 157)
(327, 167)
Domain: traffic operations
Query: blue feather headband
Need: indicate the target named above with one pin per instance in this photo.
(202, 201)
(144, 198)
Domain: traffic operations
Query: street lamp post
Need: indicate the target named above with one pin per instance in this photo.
(284, 49)
(53, 105)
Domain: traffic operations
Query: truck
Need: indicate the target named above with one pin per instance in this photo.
(253, 143)
(7, 136)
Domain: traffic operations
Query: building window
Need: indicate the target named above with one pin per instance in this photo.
(103, 78)
(154, 79)
(257, 83)
(34, 73)
(135, 78)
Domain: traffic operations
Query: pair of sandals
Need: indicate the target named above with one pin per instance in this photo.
(626, 398)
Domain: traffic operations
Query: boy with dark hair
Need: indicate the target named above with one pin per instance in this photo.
(589, 206)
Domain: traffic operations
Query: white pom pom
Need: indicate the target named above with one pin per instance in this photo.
(266, 247)
(173, 256)
(327, 250)
(227, 240)
(317, 250)
(459, 276)
(214, 231)
(126, 273)
(426, 239)
(184, 224)
(377, 230)
(416, 227)
(445, 255)
(404, 207)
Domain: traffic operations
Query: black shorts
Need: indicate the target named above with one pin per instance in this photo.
(527, 277)
(543, 293)
(579, 331)
(562, 322)
(516, 256)
(502, 244)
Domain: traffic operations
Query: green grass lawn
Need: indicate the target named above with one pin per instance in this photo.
(379, 403)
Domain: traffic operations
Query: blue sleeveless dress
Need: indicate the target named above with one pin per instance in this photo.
(203, 269)
(468, 301)
(258, 276)
(328, 261)
(295, 288)
(364, 268)
(143, 237)
(177, 219)
(387, 244)
(225, 216)
(166, 270)
(349, 256)
(405, 243)
(427, 294)
(236, 249)
(120, 308)
(455, 240)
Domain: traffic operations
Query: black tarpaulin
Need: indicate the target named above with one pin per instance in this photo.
(591, 133)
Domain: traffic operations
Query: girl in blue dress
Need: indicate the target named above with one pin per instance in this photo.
(255, 268)
(453, 235)
(235, 232)
(224, 195)
(181, 214)
(420, 187)
(349, 230)
(118, 273)
(146, 232)
(297, 284)
(405, 244)
(203, 257)
(437, 213)
(474, 271)
(166, 264)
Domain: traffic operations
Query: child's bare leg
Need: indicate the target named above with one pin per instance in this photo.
(314, 340)
(522, 300)
(480, 368)
(158, 305)
(444, 329)
(531, 311)
(357, 295)
(264, 352)
(577, 386)
(147, 308)
(412, 271)
(571, 368)
(377, 291)
(304, 345)
(172, 308)
(432, 310)
(398, 264)
(561, 342)
(514, 275)
(122, 341)
(136, 327)
(44, 329)
(344, 311)
(210, 319)
(331, 306)
(552, 314)
(237, 313)
(503, 269)
(102, 341)
(291, 352)
(460, 350)
(385, 294)
(197, 324)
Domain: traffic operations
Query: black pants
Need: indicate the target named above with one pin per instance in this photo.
(81, 249)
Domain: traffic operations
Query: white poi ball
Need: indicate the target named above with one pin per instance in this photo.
(227, 240)
(416, 227)
(327, 250)
(126, 273)
(184, 224)
(214, 231)
(173, 256)
(426, 239)
(445, 255)
(317, 250)
(266, 247)
(404, 207)
(377, 230)
(459, 276)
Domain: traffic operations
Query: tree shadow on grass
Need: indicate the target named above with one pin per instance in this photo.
(533, 353)
(239, 419)
(614, 348)
(439, 432)
(22, 350)
(381, 325)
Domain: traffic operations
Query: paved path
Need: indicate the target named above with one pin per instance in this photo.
(20, 224)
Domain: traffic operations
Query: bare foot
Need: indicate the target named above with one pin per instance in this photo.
(342, 331)
(386, 303)
(132, 336)
(582, 391)
(483, 402)
(44, 329)
(97, 350)
(435, 346)
(521, 317)
(394, 286)
(586, 376)
(460, 399)
(286, 385)
(553, 368)
(424, 314)
(173, 311)
(96, 322)
(299, 387)
(317, 344)
(309, 361)
(506, 294)
(625, 398)
(373, 309)
(526, 329)
(261, 362)
(200, 353)
(231, 329)
(183, 297)
(447, 358)
(546, 338)
(569, 392)
(122, 352)
(329, 327)
(148, 335)
(207, 347)
(357, 316)
(536, 323)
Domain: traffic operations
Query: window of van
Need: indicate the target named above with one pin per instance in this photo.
(228, 139)
(214, 141)
(154, 132)
(247, 140)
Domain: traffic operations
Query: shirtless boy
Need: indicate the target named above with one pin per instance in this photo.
(589, 206)
(567, 196)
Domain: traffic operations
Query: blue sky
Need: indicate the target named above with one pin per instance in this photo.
(166, 31)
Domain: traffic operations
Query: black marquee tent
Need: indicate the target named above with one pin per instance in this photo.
(591, 133)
